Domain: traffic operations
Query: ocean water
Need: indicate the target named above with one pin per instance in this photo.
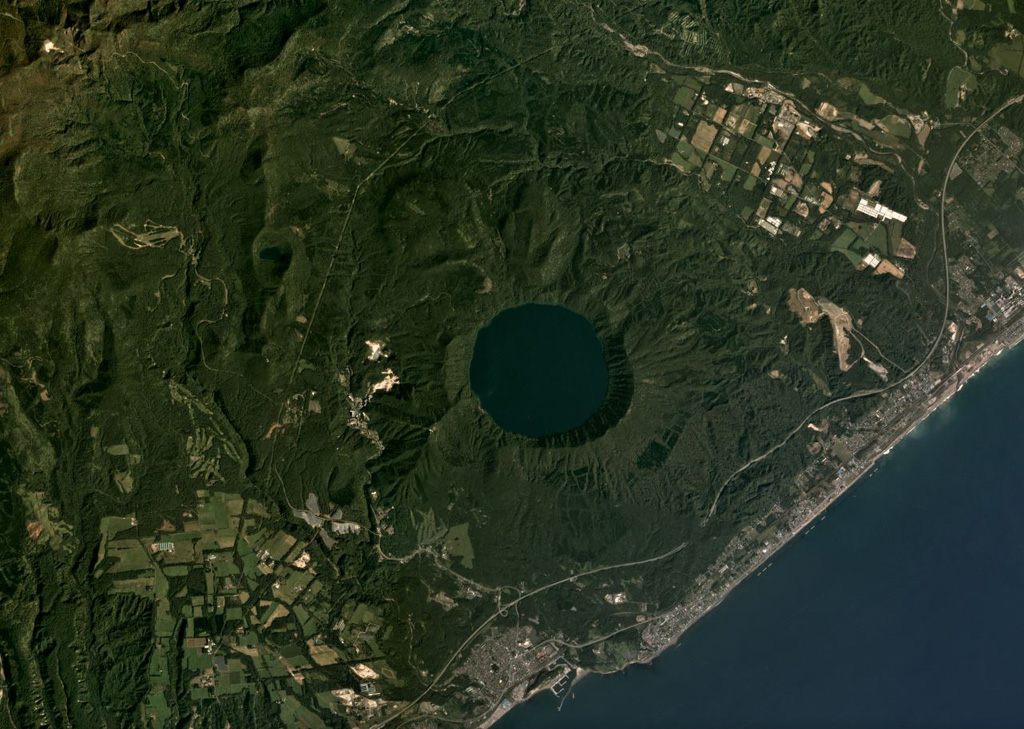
(903, 607)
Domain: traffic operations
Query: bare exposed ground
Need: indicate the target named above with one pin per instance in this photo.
(888, 267)
(906, 249)
(841, 323)
(809, 310)
(804, 305)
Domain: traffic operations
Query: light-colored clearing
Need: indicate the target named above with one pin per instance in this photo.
(804, 305)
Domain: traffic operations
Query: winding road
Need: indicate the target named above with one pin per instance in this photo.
(753, 461)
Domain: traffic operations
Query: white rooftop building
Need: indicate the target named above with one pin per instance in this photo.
(879, 211)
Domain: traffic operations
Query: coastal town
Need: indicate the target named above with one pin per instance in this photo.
(394, 366)
(845, 458)
(754, 147)
(979, 328)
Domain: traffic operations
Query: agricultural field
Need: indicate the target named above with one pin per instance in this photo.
(245, 252)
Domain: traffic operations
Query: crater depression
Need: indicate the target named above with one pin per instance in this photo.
(539, 370)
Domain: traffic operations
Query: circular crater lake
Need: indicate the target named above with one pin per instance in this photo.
(539, 370)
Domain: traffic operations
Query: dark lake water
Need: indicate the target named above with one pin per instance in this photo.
(904, 607)
(539, 370)
(270, 253)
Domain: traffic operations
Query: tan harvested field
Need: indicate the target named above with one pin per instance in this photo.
(906, 249)
(889, 268)
(704, 137)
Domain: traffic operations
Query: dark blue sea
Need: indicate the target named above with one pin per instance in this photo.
(903, 607)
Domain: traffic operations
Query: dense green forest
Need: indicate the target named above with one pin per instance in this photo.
(245, 251)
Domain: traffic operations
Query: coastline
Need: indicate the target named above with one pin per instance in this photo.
(800, 516)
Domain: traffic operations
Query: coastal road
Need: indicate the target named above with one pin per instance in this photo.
(766, 454)
(502, 609)
(935, 344)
